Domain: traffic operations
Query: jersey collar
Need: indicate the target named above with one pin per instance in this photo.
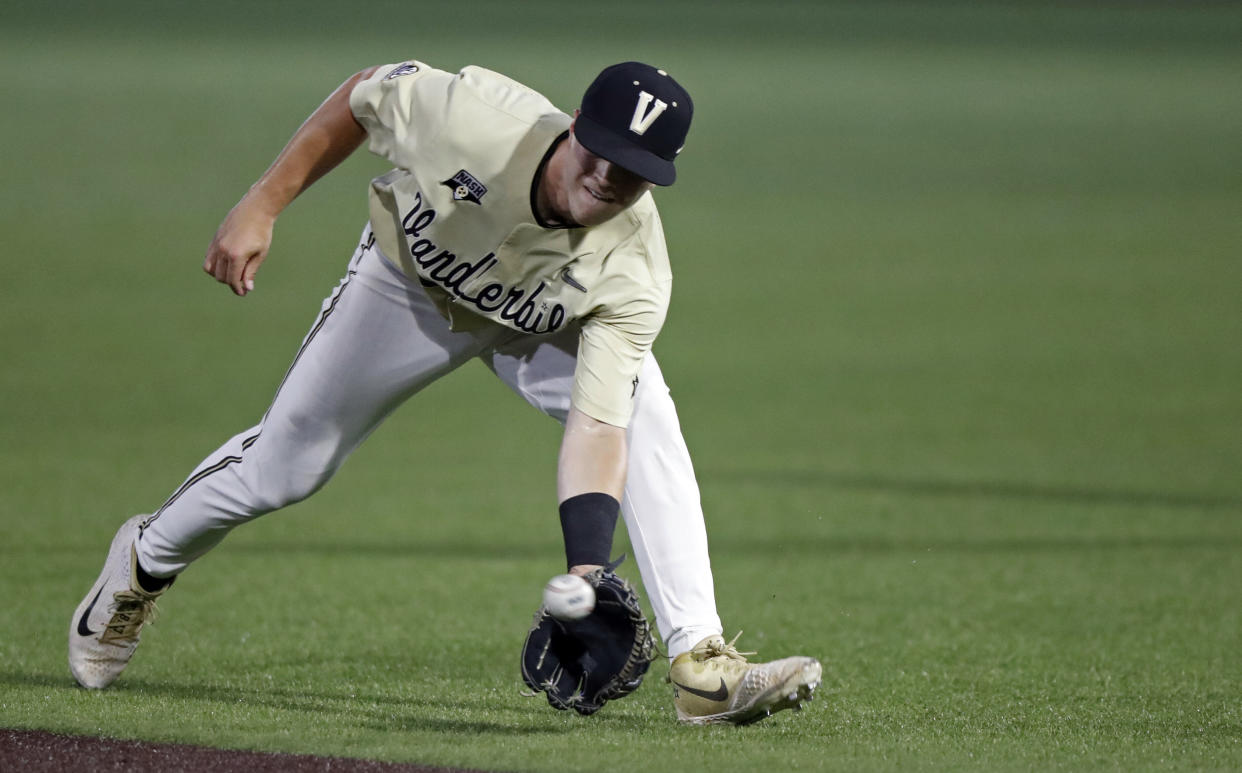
(534, 186)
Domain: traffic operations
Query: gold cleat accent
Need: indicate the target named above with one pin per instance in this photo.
(713, 683)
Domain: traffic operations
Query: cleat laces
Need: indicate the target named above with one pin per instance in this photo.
(718, 654)
(130, 611)
(718, 648)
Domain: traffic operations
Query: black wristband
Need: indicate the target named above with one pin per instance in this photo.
(587, 523)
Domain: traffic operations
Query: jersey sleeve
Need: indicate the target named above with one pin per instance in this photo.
(611, 350)
(402, 107)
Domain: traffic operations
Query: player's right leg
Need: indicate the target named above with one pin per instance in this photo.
(712, 681)
(377, 340)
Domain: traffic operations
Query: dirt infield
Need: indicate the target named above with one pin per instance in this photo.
(36, 750)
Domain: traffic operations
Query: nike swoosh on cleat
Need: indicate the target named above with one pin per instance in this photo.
(720, 694)
(83, 629)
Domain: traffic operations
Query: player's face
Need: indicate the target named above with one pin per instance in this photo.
(597, 190)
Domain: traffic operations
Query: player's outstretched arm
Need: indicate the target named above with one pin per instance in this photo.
(590, 472)
(326, 139)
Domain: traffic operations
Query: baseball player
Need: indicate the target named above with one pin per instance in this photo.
(510, 232)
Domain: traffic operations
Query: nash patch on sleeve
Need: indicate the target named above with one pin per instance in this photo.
(466, 187)
(402, 69)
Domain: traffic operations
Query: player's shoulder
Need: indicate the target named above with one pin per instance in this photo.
(414, 80)
(503, 93)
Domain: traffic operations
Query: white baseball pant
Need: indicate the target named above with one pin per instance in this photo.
(378, 340)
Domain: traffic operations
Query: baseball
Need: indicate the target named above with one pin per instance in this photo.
(568, 597)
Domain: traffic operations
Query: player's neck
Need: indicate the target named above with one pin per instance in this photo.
(551, 199)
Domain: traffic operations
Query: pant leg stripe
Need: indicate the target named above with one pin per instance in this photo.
(323, 317)
(248, 442)
(220, 465)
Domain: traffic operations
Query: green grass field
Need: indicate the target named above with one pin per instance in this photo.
(956, 340)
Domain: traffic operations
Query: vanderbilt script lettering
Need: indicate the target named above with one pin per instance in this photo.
(514, 306)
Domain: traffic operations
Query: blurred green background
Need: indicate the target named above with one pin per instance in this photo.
(955, 340)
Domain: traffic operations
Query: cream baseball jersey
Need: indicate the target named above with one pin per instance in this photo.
(458, 214)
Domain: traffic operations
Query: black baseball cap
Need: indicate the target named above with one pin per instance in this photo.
(637, 117)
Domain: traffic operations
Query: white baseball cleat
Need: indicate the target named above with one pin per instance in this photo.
(713, 683)
(105, 627)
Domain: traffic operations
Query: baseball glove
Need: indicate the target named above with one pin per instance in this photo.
(582, 664)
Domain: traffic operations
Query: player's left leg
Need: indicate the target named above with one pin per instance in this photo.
(712, 681)
(661, 506)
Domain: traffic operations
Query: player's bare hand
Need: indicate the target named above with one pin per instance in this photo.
(240, 246)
